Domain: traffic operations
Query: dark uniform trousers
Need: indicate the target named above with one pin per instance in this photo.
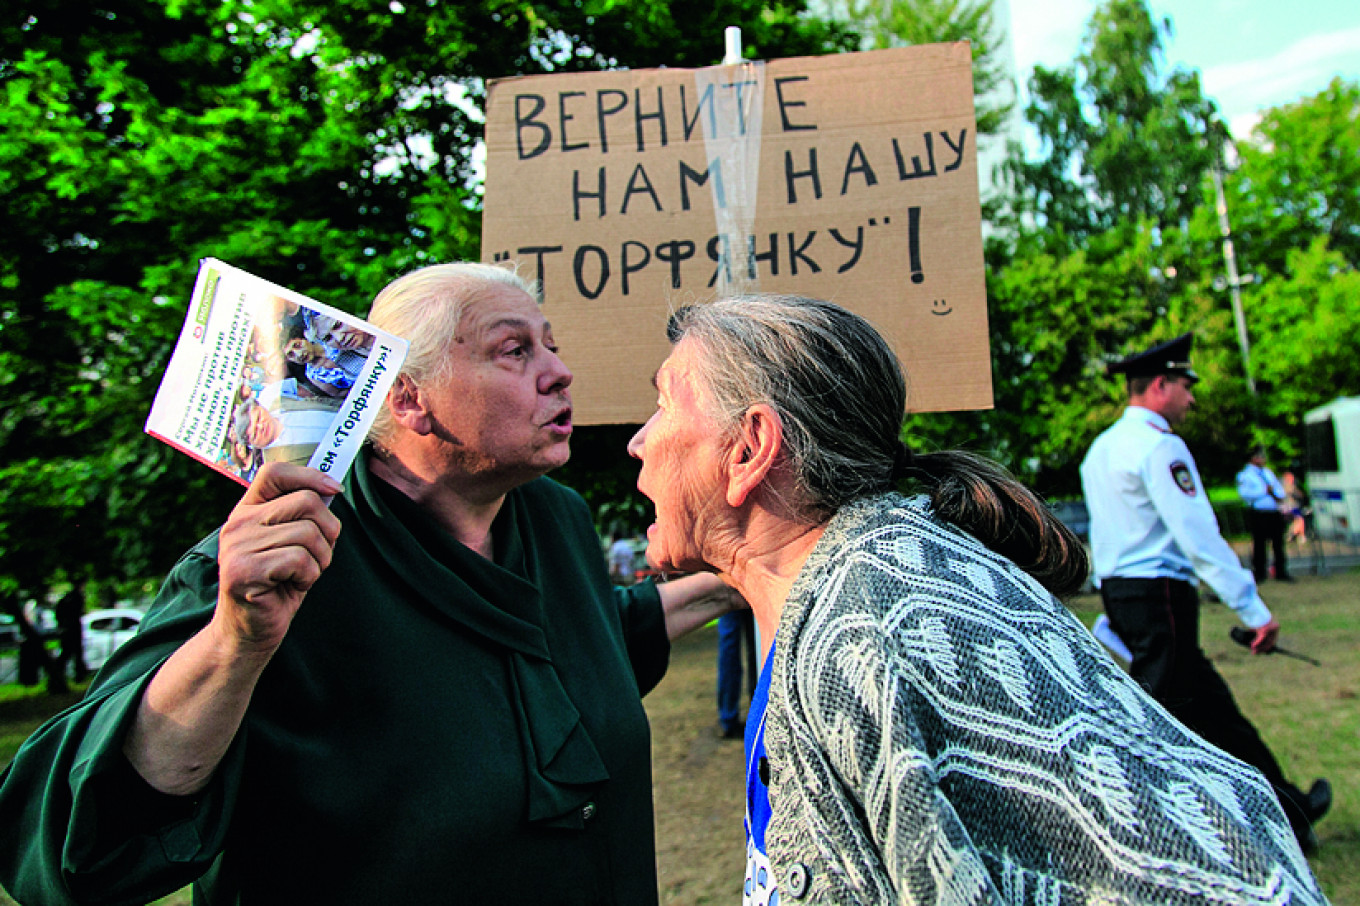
(1158, 619)
(1267, 530)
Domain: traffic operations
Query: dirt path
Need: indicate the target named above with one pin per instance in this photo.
(698, 778)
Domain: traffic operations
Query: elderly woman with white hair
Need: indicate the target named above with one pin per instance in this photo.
(931, 724)
(420, 687)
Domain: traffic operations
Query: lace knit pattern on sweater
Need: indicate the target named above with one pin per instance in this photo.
(942, 730)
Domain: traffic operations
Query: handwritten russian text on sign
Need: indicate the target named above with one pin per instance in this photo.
(850, 177)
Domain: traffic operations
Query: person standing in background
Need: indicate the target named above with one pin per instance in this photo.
(1153, 536)
(736, 644)
(621, 558)
(1295, 507)
(1264, 496)
(69, 610)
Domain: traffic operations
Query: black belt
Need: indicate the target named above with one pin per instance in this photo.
(1155, 582)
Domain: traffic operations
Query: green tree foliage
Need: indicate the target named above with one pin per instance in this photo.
(78, 87)
(330, 146)
(1293, 201)
(1116, 244)
(326, 146)
(1082, 270)
(1122, 142)
(1306, 351)
(1297, 178)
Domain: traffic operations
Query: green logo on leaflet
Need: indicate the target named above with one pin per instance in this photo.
(205, 304)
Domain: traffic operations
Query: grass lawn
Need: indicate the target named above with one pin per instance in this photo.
(1310, 716)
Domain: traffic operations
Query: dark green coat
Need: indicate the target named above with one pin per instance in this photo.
(435, 728)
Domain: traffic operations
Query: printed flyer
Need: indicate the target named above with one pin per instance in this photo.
(264, 374)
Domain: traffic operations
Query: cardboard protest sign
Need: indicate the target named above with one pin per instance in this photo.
(850, 177)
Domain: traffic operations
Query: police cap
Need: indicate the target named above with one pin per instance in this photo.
(1171, 357)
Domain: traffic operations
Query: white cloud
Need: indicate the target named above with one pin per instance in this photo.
(1240, 126)
(1245, 89)
(1046, 32)
(1049, 32)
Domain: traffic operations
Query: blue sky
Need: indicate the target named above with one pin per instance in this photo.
(1251, 54)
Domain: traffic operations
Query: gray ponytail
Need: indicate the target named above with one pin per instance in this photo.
(987, 502)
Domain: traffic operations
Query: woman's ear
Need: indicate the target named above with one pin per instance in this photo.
(757, 448)
(407, 403)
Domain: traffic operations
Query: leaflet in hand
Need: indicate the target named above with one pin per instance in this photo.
(263, 374)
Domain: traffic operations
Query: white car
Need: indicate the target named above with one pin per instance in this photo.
(102, 631)
(9, 632)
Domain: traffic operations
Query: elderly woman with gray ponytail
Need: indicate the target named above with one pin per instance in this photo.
(931, 724)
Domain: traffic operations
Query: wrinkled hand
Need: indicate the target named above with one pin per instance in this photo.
(694, 600)
(1265, 638)
(272, 549)
(728, 598)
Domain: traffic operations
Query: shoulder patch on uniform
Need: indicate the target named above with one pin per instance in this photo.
(1184, 478)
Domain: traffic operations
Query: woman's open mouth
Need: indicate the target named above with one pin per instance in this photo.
(561, 424)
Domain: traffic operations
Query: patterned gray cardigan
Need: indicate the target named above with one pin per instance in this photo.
(940, 729)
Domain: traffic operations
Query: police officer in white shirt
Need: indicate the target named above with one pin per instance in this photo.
(1153, 536)
(1263, 494)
